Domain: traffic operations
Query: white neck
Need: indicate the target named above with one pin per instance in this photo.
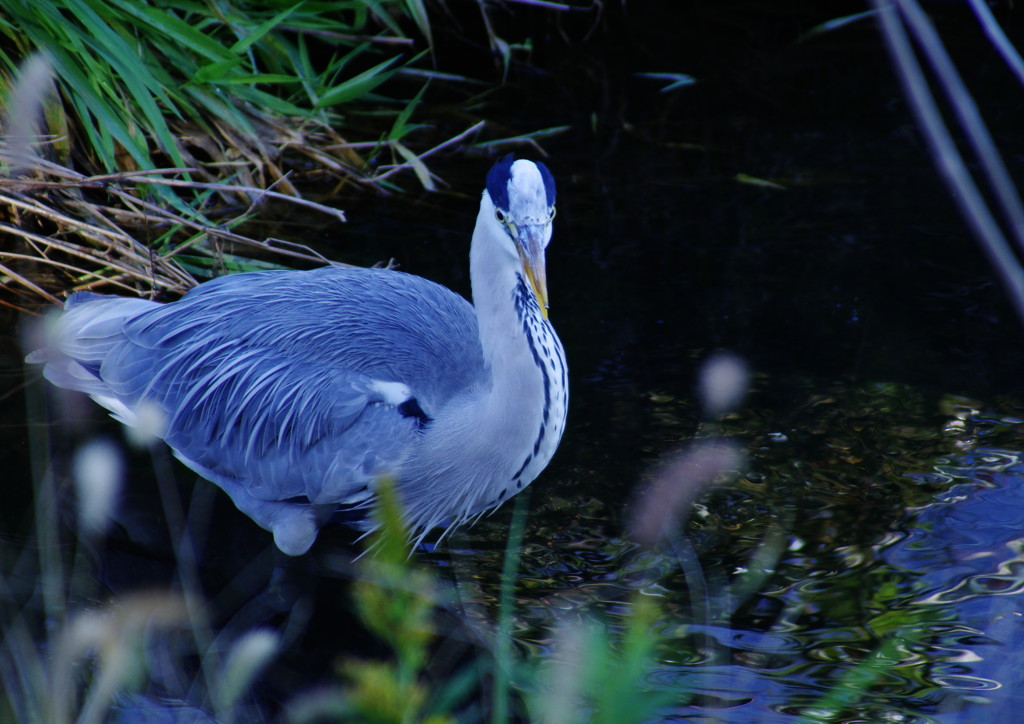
(494, 272)
(518, 379)
(521, 397)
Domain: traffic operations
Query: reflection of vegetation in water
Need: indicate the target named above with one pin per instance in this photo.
(811, 583)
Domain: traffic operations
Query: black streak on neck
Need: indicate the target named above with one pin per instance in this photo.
(527, 309)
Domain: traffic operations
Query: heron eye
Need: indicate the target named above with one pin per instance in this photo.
(499, 215)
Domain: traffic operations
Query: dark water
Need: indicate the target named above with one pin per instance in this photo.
(879, 516)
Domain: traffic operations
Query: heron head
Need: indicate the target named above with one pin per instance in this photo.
(523, 194)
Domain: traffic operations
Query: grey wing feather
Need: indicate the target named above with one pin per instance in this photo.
(271, 381)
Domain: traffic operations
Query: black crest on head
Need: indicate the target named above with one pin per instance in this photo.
(500, 174)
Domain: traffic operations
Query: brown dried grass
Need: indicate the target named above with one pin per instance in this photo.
(64, 231)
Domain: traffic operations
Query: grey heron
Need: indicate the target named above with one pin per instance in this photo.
(296, 391)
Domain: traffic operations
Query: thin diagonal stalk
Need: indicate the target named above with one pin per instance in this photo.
(948, 158)
(998, 38)
(969, 116)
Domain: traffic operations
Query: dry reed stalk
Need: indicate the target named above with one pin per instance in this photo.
(65, 231)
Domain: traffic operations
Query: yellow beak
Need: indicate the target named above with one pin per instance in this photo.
(530, 244)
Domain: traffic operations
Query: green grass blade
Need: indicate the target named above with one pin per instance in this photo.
(418, 11)
(503, 642)
(358, 85)
(400, 127)
(260, 32)
(175, 29)
(216, 71)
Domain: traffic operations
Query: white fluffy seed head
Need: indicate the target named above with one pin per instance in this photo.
(98, 470)
(723, 383)
(247, 659)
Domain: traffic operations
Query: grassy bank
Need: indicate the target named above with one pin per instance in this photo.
(138, 137)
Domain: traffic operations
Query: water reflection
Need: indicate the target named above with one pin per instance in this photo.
(876, 550)
(896, 575)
